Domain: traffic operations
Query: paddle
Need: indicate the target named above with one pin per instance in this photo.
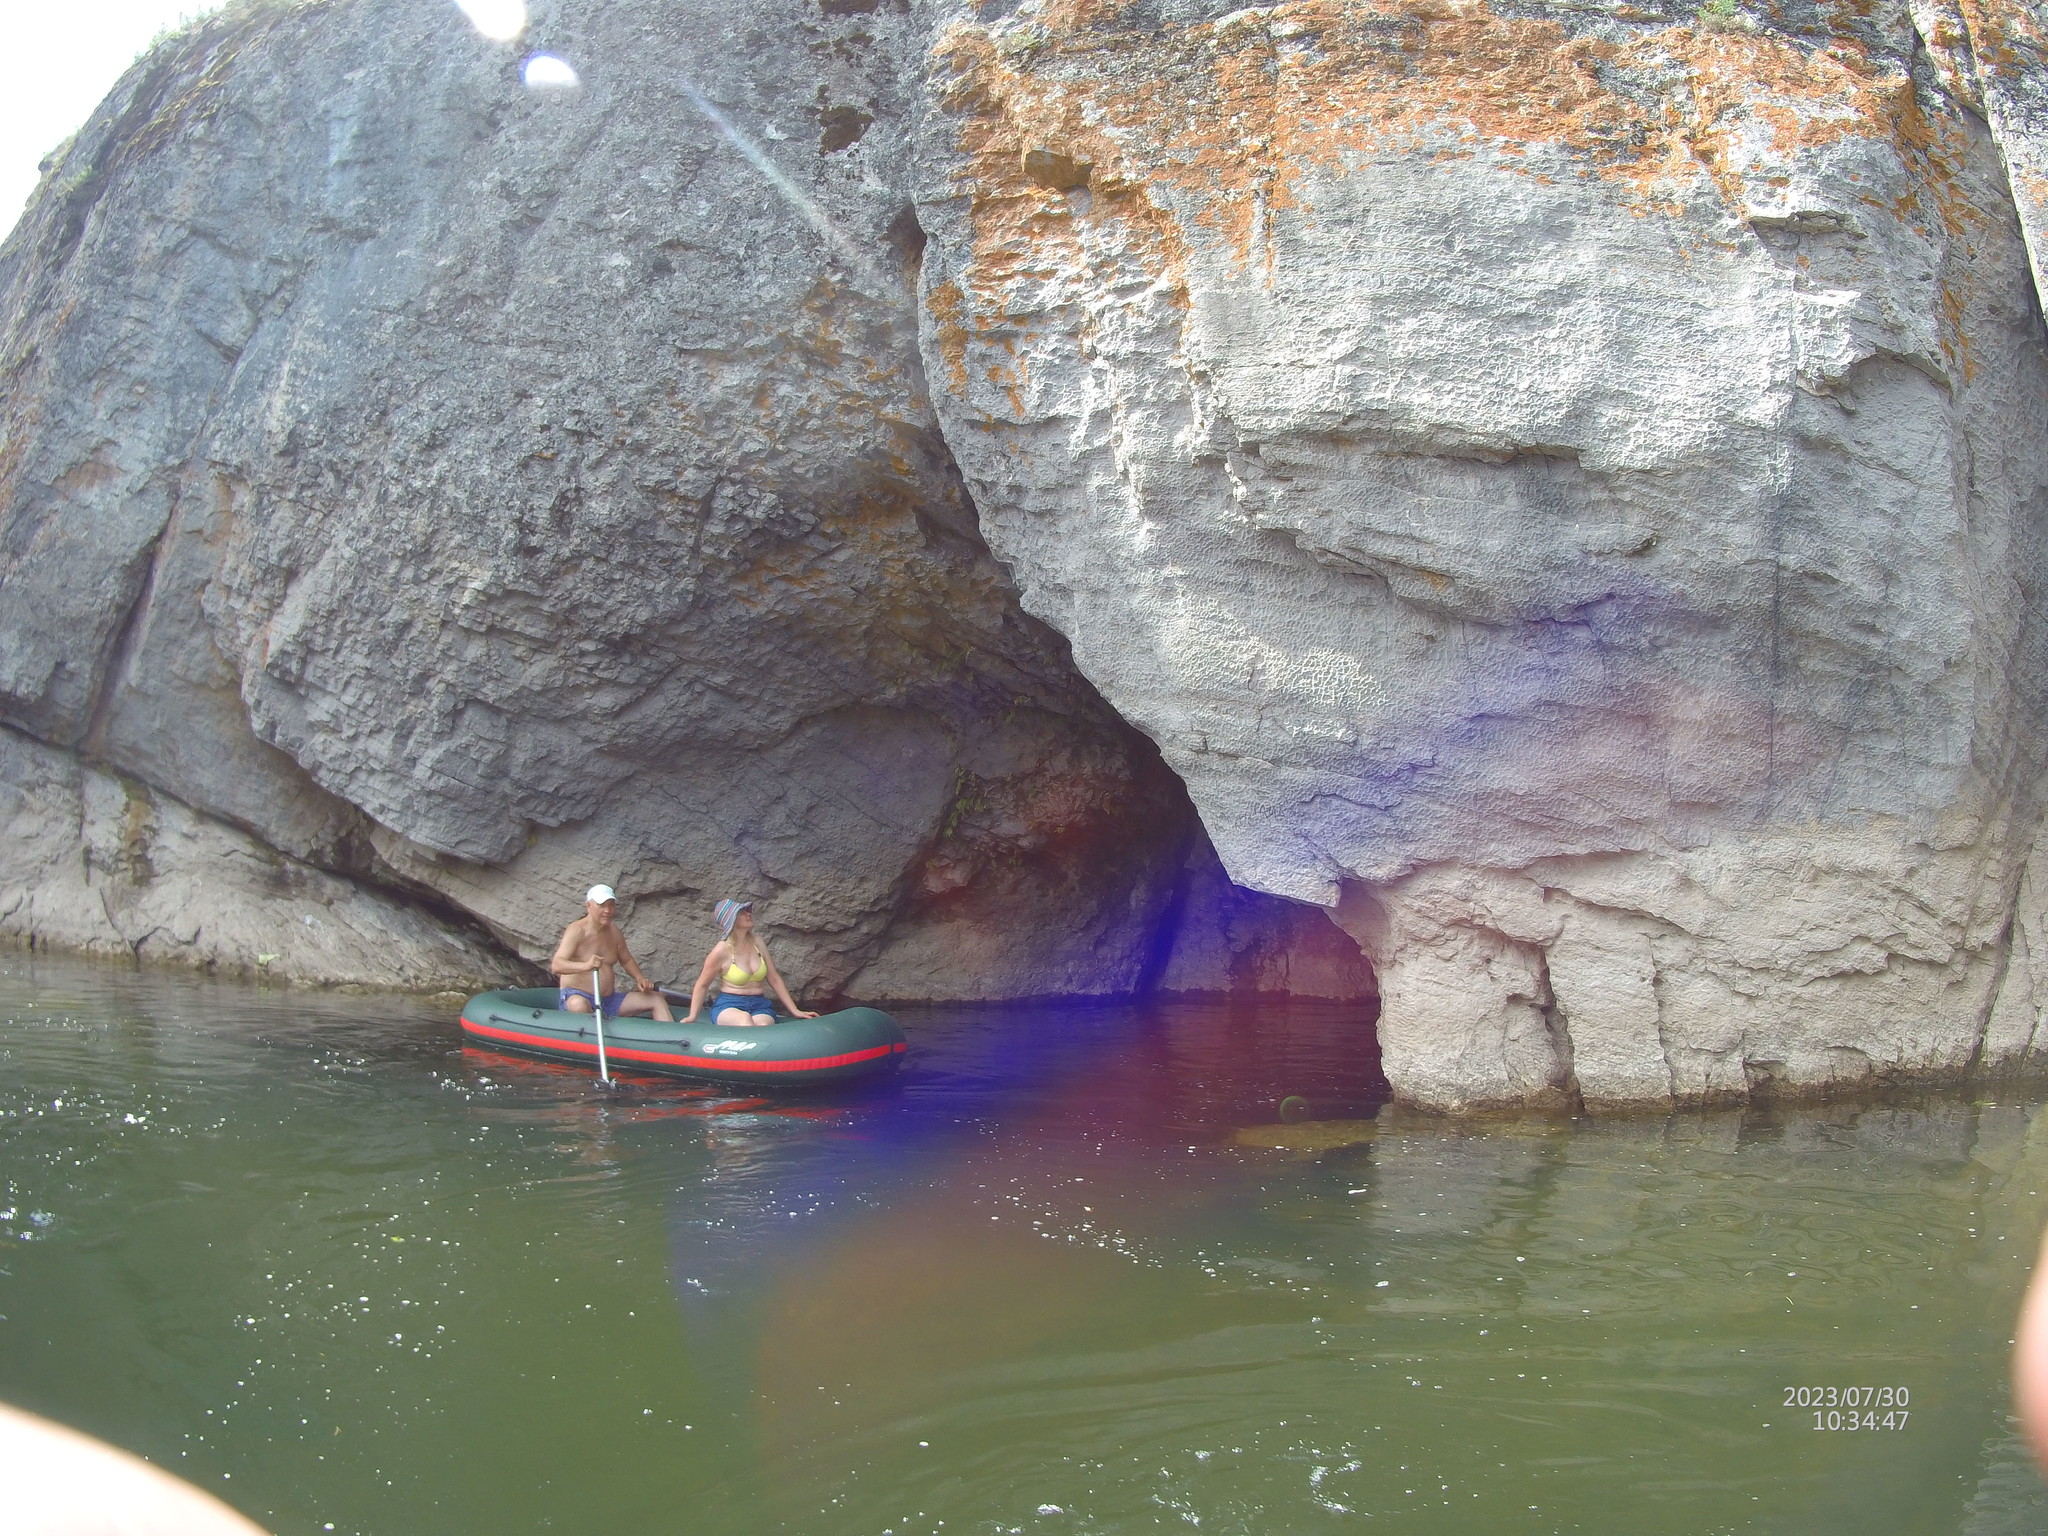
(597, 1008)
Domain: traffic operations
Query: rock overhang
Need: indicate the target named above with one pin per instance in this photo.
(562, 500)
(1527, 438)
(1563, 482)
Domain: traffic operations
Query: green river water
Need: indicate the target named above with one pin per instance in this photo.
(314, 1255)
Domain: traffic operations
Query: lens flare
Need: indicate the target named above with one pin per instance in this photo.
(546, 72)
(841, 243)
(499, 20)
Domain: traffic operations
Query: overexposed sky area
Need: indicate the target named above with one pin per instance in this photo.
(67, 55)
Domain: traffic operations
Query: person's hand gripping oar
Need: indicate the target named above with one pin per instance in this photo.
(596, 963)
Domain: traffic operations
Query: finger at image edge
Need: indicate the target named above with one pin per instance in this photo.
(63, 1483)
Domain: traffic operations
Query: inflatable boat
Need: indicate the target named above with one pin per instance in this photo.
(854, 1042)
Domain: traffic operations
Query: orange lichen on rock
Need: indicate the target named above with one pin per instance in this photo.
(2003, 36)
(1220, 127)
(947, 304)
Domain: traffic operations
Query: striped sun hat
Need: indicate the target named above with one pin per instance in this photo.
(727, 913)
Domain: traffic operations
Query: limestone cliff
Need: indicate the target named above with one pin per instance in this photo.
(1563, 485)
(423, 496)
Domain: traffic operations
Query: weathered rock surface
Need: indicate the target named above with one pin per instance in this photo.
(1564, 486)
(94, 863)
(466, 493)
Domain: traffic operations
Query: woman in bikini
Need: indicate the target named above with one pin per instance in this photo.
(739, 961)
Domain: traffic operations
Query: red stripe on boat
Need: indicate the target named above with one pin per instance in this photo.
(722, 1063)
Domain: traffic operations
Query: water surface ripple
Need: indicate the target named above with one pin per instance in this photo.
(313, 1254)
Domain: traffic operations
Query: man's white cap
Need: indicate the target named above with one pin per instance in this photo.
(601, 894)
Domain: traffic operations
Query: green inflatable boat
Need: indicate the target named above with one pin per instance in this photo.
(854, 1042)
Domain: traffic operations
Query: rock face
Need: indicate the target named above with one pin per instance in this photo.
(95, 863)
(449, 494)
(1563, 486)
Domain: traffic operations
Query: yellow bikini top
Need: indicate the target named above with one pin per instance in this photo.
(738, 975)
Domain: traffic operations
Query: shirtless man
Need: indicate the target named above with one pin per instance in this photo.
(594, 943)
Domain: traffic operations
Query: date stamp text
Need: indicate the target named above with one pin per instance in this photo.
(1842, 1409)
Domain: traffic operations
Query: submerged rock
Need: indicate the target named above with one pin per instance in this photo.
(1310, 1137)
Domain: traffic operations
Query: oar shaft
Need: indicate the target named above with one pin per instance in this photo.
(597, 1008)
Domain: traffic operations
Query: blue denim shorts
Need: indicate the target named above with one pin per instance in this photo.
(611, 1002)
(726, 1000)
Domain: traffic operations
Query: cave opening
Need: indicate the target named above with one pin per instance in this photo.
(1070, 861)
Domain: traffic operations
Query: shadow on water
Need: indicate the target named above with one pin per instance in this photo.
(1073, 1271)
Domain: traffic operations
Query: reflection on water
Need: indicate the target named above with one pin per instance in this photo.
(1072, 1273)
